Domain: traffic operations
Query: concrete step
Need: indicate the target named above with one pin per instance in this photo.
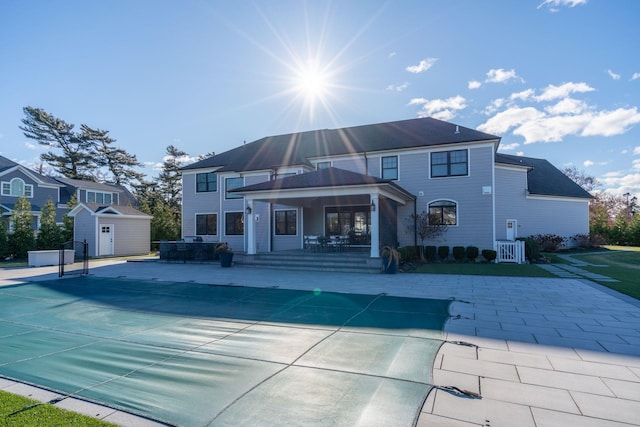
(342, 262)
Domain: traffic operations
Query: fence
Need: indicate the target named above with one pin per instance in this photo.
(510, 251)
(80, 262)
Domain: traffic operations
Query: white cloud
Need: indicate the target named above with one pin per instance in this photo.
(613, 75)
(554, 4)
(520, 153)
(398, 88)
(588, 163)
(619, 184)
(443, 109)
(509, 147)
(524, 95)
(508, 119)
(635, 76)
(636, 164)
(30, 145)
(392, 54)
(424, 65)
(552, 92)
(567, 106)
(495, 105)
(607, 123)
(636, 150)
(474, 84)
(500, 75)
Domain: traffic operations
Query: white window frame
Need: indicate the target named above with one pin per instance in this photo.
(27, 189)
(95, 193)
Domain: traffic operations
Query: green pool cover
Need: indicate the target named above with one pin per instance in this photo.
(194, 355)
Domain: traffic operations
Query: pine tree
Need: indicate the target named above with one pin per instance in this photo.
(170, 178)
(4, 244)
(22, 239)
(50, 234)
(76, 160)
(118, 162)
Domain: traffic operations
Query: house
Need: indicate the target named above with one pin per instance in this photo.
(105, 215)
(367, 181)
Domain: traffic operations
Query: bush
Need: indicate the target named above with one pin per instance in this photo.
(458, 253)
(430, 252)
(472, 253)
(531, 250)
(489, 254)
(409, 253)
(443, 252)
(548, 242)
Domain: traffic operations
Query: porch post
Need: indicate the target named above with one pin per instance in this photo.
(375, 226)
(250, 225)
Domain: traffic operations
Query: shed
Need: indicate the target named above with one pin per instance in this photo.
(112, 230)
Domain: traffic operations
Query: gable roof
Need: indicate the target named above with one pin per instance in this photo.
(97, 209)
(296, 149)
(7, 165)
(543, 178)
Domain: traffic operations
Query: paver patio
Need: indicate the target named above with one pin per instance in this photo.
(538, 351)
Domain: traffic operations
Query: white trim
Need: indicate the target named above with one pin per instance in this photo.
(557, 198)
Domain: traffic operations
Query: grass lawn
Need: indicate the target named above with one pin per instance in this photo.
(617, 262)
(40, 415)
(483, 269)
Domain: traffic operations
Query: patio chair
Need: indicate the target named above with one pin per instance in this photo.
(182, 249)
(312, 243)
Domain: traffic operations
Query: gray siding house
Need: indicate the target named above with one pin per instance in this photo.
(105, 216)
(365, 182)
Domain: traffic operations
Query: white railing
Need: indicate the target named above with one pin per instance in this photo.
(510, 251)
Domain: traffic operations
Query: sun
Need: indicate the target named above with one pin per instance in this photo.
(312, 83)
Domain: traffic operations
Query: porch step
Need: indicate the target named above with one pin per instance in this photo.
(345, 262)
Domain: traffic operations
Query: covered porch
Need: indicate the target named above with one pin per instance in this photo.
(361, 209)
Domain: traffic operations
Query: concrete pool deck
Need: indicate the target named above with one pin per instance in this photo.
(537, 351)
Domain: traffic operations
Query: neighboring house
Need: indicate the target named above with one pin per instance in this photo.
(105, 215)
(367, 181)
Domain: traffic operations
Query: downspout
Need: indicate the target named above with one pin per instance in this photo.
(366, 163)
(415, 222)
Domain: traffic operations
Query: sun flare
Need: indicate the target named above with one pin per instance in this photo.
(311, 83)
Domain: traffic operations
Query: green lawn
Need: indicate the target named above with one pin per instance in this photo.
(40, 415)
(620, 263)
(483, 269)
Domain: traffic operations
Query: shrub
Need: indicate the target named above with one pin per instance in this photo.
(409, 253)
(458, 253)
(531, 250)
(443, 252)
(489, 254)
(472, 253)
(548, 242)
(430, 252)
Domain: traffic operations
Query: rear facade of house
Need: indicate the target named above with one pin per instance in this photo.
(366, 182)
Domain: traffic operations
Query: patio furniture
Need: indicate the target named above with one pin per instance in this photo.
(182, 249)
(312, 243)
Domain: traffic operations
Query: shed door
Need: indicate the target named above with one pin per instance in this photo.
(512, 226)
(106, 240)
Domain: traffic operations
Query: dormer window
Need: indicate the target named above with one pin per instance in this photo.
(17, 188)
(100, 197)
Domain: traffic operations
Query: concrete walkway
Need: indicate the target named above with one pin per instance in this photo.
(536, 351)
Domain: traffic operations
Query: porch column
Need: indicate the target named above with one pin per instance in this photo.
(375, 226)
(250, 225)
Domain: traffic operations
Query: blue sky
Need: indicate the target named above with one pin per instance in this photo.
(556, 79)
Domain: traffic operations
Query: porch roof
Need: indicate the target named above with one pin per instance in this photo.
(332, 181)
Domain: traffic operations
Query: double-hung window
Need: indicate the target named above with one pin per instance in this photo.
(390, 167)
(206, 224)
(286, 222)
(449, 163)
(206, 182)
(234, 223)
(99, 197)
(231, 184)
(17, 187)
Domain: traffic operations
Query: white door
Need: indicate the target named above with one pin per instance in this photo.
(512, 226)
(106, 240)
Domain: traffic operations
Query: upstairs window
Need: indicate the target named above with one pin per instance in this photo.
(390, 167)
(99, 197)
(231, 184)
(206, 182)
(449, 163)
(323, 165)
(17, 188)
(443, 212)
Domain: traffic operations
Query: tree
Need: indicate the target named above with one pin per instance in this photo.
(170, 178)
(4, 244)
(118, 162)
(22, 239)
(425, 227)
(585, 181)
(76, 160)
(67, 221)
(49, 235)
